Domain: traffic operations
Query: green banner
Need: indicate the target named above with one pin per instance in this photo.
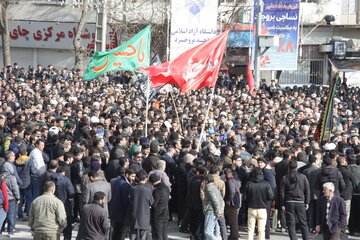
(133, 54)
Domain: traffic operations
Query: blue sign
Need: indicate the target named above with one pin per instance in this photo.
(280, 18)
(239, 39)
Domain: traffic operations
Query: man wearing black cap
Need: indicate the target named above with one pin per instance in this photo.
(160, 208)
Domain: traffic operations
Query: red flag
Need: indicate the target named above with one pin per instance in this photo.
(196, 68)
(250, 78)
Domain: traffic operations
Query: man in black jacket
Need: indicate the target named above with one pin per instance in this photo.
(77, 172)
(257, 193)
(149, 163)
(194, 204)
(141, 199)
(355, 202)
(346, 194)
(160, 208)
(65, 192)
(232, 203)
(330, 174)
(281, 169)
(294, 199)
(269, 176)
(120, 147)
(311, 174)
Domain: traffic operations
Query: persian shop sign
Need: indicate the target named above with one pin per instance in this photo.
(53, 35)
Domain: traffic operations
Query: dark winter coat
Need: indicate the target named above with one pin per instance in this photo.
(77, 172)
(94, 223)
(149, 163)
(160, 207)
(141, 199)
(347, 192)
(312, 174)
(193, 200)
(120, 200)
(294, 188)
(23, 169)
(269, 176)
(331, 174)
(355, 170)
(64, 190)
(281, 169)
(232, 193)
(258, 192)
(337, 214)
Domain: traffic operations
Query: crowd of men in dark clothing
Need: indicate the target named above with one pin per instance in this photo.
(257, 163)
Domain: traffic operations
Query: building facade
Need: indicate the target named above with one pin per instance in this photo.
(42, 32)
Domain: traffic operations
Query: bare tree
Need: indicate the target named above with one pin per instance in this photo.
(5, 32)
(129, 18)
(79, 50)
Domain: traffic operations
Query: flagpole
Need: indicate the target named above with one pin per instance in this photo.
(207, 115)
(168, 13)
(176, 112)
(147, 105)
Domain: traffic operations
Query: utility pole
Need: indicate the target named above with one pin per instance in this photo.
(259, 10)
(101, 26)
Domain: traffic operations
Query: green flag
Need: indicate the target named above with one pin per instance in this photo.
(133, 54)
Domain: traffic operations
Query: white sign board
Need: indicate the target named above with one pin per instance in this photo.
(53, 35)
(192, 22)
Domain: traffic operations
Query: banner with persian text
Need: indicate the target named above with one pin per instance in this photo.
(280, 18)
(131, 55)
(54, 35)
(192, 22)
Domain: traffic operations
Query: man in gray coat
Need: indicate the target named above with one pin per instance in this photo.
(93, 222)
(213, 206)
(13, 194)
(97, 185)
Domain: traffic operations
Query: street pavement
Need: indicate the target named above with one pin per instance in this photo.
(22, 233)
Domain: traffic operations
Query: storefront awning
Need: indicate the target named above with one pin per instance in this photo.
(346, 65)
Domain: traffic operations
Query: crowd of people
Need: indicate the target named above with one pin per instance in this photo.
(75, 151)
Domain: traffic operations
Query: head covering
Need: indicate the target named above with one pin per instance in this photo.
(94, 119)
(329, 146)
(189, 158)
(95, 165)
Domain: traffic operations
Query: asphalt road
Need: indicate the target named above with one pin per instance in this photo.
(22, 233)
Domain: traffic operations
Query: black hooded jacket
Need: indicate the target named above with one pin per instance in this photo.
(258, 192)
(294, 187)
(331, 174)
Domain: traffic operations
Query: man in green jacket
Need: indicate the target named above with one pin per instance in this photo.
(47, 216)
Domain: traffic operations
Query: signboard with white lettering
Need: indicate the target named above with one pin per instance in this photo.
(192, 22)
(280, 18)
(53, 35)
